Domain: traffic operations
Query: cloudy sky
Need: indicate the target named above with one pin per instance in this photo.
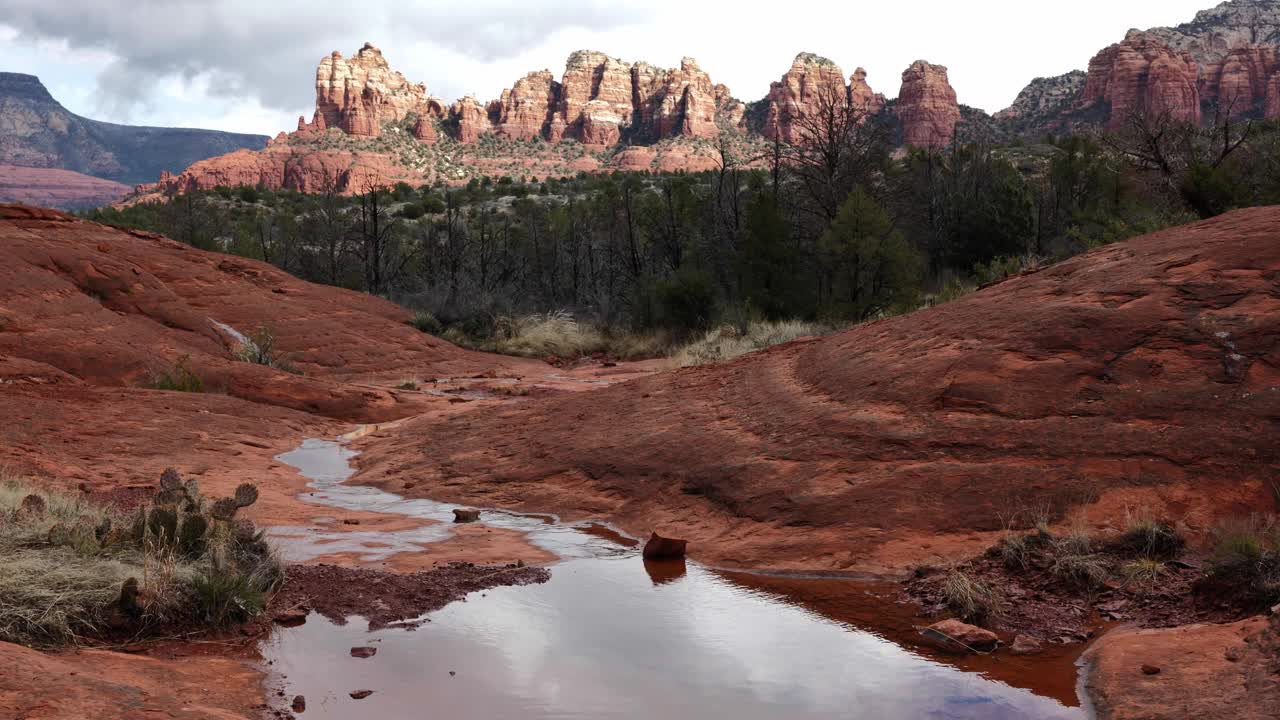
(249, 65)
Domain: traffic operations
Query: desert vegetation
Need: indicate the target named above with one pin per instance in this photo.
(77, 571)
(1049, 580)
(833, 230)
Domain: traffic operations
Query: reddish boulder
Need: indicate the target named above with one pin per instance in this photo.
(663, 548)
(927, 106)
(959, 638)
(466, 515)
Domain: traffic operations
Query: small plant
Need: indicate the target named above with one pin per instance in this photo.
(407, 385)
(178, 377)
(1144, 573)
(260, 349)
(1083, 571)
(973, 600)
(1246, 557)
(224, 597)
(427, 323)
(1146, 537)
(1015, 552)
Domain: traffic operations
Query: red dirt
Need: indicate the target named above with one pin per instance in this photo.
(1145, 371)
(383, 598)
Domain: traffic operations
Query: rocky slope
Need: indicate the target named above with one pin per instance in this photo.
(37, 132)
(86, 303)
(1224, 62)
(371, 125)
(1144, 373)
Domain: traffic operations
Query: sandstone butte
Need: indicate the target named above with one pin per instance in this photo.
(1224, 63)
(1140, 374)
(599, 101)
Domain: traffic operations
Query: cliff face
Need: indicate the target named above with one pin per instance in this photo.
(1224, 62)
(360, 95)
(1142, 75)
(927, 106)
(811, 82)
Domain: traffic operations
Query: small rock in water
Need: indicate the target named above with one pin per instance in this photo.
(954, 636)
(350, 521)
(360, 694)
(465, 515)
(1150, 670)
(291, 618)
(452, 673)
(299, 704)
(662, 548)
(363, 652)
(1025, 645)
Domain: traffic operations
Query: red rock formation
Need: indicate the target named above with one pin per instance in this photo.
(927, 106)
(1142, 75)
(472, 118)
(361, 94)
(1271, 104)
(424, 129)
(813, 79)
(528, 106)
(1239, 82)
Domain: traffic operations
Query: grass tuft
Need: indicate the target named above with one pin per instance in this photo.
(178, 377)
(973, 600)
(729, 342)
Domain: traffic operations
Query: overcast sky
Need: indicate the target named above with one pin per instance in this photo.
(249, 65)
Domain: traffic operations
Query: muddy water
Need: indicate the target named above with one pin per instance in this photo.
(609, 636)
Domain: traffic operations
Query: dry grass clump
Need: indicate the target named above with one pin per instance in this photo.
(973, 600)
(729, 342)
(557, 334)
(1148, 537)
(1246, 556)
(74, 569)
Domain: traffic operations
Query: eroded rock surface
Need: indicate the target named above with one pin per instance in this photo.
(900, 440)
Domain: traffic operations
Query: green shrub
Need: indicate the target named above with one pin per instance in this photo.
(178, 377)
(260, 349)
(1146, 537)
(427, 323)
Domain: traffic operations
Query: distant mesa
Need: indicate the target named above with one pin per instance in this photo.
(39, 134)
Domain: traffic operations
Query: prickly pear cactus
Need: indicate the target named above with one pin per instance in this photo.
(245, 530)
(170, 480)
(191, 536)
(33, 505)
(138, 530)
(246, 495)
(103, 529)
(225, 509)
(163, 524)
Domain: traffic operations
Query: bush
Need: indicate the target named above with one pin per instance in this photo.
(74, 569)
(1246, 558)
(1147, 537)
(248, 194)
(727, 342)
(683, 302)
(973, 600)
(1086, 572)
(178, 377)
(260, 349)
(427, 323)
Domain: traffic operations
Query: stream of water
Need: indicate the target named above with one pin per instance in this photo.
(607, 637)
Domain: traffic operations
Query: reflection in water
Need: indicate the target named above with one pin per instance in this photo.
(662, 572)
(610, 636)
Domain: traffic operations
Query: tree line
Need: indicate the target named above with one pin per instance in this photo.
(839, 226)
